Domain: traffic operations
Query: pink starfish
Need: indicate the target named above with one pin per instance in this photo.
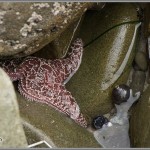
(44, 80)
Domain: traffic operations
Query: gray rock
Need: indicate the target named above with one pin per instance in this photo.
(115, 133)
(11, 130)
(27, 27)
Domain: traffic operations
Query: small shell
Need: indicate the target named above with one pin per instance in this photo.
(120, 94)
(99, 121)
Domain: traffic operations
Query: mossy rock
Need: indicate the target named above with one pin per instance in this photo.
(140, 122)
(103, 57)
(61, 130)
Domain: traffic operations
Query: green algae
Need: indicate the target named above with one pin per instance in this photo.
(140, 122)
(62, 131)
(102, 58)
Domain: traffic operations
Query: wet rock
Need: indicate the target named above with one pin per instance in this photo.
(142, 44)
(11, 130)
(27, 27)
(120, 94)
(140, 122)
(60, 46)
(146, 19)
(114, 134)
(138, 81)
(34, 135)
(141, 61)
(96, 77)
(98, 6)
(148, 50)
(58, 128)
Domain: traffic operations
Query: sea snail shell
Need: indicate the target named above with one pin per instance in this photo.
(120, 94)
(99, 121)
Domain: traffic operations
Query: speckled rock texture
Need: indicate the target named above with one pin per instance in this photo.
(61, 130)
(140, 122)
(11, 130)
(102, 58)
(27, 27)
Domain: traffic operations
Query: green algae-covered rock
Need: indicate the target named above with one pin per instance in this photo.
(61, 130)
(93, 82)
(140, 122)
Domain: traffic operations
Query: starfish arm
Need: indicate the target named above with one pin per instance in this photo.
(68, 66)
(53, 95)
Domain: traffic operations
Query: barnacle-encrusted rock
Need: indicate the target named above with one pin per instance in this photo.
(103, 59)
(11, 131)
(27, 27)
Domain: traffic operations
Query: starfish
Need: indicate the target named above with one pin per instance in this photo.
(43, 80)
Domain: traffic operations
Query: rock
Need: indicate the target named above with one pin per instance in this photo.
(138, 81)
(27, 27)
(55, 126)
(96, 77)
(115, 134)
(98, 6)
(140, 122)
(59, 47)
(142, 43)
(146, 19)
(34, 135)
(11, 130)
(148, 49)
(141, 61)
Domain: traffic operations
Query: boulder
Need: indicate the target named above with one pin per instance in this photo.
(11, 130)
(60, 45)
(58, 130)
(104, 58)
(27, 27)
(140, 122)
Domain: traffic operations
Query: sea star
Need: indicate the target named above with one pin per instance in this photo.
(44, 80)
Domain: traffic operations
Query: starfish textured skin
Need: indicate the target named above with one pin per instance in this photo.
(44, 80)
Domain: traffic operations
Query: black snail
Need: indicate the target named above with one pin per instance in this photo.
(120, 94)
(99, 121)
